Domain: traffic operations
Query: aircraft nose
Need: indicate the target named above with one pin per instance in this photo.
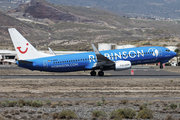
(174, 54)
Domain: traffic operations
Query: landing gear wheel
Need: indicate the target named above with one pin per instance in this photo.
(101, 73)
(161, 66)
(93, 73)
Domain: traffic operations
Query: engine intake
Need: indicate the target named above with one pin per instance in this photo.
(122, 65)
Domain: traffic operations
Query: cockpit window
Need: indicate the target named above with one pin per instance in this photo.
(167, 50)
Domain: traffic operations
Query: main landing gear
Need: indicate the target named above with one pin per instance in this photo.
(100, 73)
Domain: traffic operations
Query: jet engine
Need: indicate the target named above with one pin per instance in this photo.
(122, 65)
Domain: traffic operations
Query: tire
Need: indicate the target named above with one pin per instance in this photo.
(101, 73)
(93, 73)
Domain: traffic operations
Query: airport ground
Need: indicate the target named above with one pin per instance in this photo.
(80, 92)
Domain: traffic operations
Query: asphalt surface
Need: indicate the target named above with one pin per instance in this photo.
(92, 99)
(139, 72)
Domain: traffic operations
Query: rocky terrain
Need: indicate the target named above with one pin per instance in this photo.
(84, 109)
(50, 92)
(147, 8)
(74, 28)
(41, 10)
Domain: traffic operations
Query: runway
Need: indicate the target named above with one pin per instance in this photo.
(92, 99)
(139, 72)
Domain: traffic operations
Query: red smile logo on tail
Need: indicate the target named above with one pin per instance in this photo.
(23, 52)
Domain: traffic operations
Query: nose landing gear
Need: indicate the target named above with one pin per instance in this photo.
(161, 66)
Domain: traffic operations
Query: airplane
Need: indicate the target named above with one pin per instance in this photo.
(118, 59)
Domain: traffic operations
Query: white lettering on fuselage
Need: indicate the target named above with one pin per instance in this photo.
(91, 58)
(116, 56)
(65, 65)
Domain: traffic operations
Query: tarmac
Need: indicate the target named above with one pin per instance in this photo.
(138, 72)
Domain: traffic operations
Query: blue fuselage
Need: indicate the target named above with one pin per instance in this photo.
(86, 61)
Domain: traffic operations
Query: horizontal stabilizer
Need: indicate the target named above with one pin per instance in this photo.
(12, 61)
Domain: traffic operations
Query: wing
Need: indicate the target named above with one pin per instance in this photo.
(101, 59)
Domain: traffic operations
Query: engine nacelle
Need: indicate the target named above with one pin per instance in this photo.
(122, 65)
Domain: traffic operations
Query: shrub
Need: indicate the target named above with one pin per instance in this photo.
(48, 102)
(124, 101)
(113, 114)
(60, 103)
(169, 117)
(21, 102)
(98, 104)
(129, 113)
(12, 104)
(103, 100)
(4, 104)
(55, 115)
(37, 103)
(145, 114)
(118, 118)
(53, 105)
(173, 106)
(7, 101)
(21, 105)
(67, 114)
(28, 102)
(99, 114)
(125, 113)
(143, 106)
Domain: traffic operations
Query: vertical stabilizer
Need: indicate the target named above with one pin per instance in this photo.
(23, 48)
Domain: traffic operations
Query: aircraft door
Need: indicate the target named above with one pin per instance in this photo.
(160, 52)
(45, 64)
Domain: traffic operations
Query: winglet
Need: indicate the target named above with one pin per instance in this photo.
(95, 49)
(51, 51)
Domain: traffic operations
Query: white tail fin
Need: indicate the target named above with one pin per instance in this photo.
(23, 48)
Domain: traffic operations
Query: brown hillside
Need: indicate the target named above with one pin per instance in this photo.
(39, 9)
